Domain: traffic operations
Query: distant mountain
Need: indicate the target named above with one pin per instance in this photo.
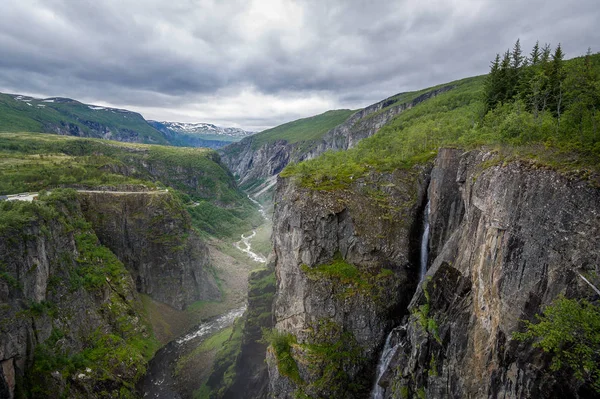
(206, 131)
(65, 116)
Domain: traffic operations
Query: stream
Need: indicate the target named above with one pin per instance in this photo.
(244, 244)
(389, 350)
(159, 383)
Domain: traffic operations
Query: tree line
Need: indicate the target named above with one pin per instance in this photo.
(563, 94)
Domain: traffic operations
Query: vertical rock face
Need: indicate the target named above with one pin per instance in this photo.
(151, 234)
(62, 293)
(507, 240)
(345, 267)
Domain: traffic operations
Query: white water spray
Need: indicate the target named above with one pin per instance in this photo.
(424, 244)
(389, 350)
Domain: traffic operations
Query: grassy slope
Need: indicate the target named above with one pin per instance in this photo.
(454, 119)
(306, 129)
(18, 116)
(33, 162)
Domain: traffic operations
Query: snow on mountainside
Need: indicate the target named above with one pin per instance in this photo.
(205, 129)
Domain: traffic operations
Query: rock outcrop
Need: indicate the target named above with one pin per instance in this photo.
(346, 267)
(508, 238)
(150, 232)
(254, 165)
(71, 323)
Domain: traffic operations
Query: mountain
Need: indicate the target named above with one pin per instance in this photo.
(70, 117)
(205, 130)
(199, 134)
(258, 159)
(445, 247)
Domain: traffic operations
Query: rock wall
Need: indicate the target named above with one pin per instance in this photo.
(150, 232)
(61, 294)
(508, 238)
(346, 264)
(251, 164)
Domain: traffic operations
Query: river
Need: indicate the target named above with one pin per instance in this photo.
(159, 383)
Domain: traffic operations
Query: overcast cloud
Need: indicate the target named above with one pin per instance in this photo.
(258, 63)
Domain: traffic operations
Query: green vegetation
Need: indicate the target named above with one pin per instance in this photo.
(224, 367)
(32, 162)
(428, 324)
(328, 354)
(464, 117)
(282, 344)
(350, 278)
(306, 129)
(73, 117)
(119, 342)
(569, 329)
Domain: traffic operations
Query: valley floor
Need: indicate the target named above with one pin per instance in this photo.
(190, 365)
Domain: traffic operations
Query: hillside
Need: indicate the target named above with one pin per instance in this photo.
(204, 131)
(452, 253)
(34, 162)
(69, 117)
(458, 118)
(257, 160)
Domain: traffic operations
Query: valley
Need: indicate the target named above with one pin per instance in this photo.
(438, 243)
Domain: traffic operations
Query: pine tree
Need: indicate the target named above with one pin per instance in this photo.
(535, 55)
(517, 63)
(491, 87)
(504, 78)
(557, 77)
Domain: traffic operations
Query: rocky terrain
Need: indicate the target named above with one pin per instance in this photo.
(151, 234)
(255, 166)
(71, 268)
(506, 239)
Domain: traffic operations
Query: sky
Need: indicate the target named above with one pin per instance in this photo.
(255, 64)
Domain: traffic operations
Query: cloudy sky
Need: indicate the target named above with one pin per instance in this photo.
(258, 63)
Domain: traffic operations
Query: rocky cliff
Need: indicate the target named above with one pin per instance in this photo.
(254, 166)
(151, 233)
(71, 323)
(509, 239)
(346, 267)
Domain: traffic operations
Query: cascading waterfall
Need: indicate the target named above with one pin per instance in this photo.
(424, 244)
(389, 349)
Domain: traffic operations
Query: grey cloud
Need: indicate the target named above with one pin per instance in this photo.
(182, 55)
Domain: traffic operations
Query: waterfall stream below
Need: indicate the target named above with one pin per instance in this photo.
(390, 348)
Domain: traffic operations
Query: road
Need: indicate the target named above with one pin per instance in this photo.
(29, 197)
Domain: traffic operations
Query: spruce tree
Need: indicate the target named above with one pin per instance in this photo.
(491, 88)
(535, 55)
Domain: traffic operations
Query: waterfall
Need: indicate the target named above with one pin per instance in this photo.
(384, 361)
(424, 244)
(389, 350)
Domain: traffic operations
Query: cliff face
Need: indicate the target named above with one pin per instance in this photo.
(71, 323)
(252, 165)
(507, 240)
(150, 233)
(345, 267)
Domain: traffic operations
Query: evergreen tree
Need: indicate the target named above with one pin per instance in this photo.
(517, 63)
(535, 56)
(557, 77)
(504, 78)
(492, 85)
